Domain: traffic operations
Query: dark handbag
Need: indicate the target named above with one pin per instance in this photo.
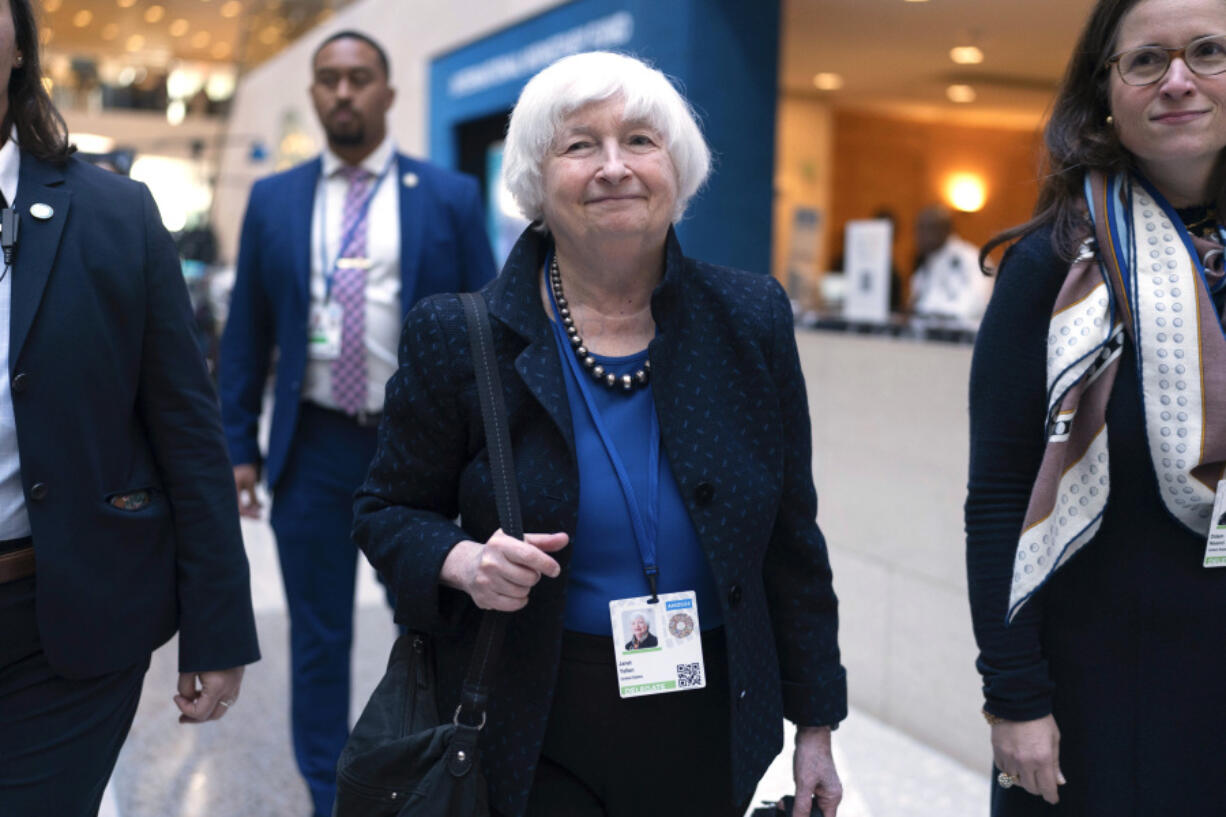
(399, 760)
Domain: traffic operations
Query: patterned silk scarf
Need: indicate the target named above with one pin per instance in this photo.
(1141, 275)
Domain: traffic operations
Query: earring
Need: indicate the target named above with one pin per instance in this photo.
(18, 61)
(1110, 119)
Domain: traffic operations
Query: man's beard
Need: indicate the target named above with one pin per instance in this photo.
(354, 134)
(347, 138)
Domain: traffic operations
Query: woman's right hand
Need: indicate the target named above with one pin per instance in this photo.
(1030, 751)
(499, 574)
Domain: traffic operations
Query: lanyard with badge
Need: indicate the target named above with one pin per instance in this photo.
(327, 318)
(657, 642)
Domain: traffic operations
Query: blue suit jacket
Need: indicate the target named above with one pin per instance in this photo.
(735, 426)
(443, 248)
(111, 396)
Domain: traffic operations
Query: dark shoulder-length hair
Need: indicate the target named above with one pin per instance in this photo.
(1078, 138)
(41, 130)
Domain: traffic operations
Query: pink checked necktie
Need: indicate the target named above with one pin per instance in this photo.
(349, 291)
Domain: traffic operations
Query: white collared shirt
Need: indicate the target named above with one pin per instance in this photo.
(949, 283)
(14, 521)
(382, 277)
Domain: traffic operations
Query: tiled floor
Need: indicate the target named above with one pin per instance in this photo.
(243, 766)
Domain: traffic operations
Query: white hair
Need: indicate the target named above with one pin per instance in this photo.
(595, 76)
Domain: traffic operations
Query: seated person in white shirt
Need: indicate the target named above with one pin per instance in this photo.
(947, 282)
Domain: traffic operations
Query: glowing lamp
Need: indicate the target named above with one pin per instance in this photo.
(966, 192)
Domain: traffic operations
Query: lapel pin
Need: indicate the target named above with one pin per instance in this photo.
(41, 211)
(410, 179)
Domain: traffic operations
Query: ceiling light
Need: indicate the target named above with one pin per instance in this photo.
(828, 82)
(179, 27)
(917, 1)
(135, 43)
(184, 83)
(960, 93)
(220, 85)
(52, 6)
(126, 4)
(110, 31)
(220, 51)
(232, 8)
(966, 55)
(200, 39)
(176, 112)
(82, 18)
(154, 13)
(966, 192)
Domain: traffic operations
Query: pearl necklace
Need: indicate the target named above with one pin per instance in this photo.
(627, 382)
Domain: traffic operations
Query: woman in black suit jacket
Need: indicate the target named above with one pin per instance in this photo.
(118, 519)
(608, 339)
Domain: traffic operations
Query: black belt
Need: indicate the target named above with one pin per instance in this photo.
(362, 419)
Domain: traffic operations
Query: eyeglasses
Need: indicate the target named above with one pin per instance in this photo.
(1204, 56)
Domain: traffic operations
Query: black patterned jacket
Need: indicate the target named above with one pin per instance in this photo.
(731, 400)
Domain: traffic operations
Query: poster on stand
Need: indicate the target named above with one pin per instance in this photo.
(802, 256)
(868, 249)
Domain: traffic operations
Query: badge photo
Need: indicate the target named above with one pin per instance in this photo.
(642, 626)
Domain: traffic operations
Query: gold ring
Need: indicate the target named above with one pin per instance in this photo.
(1006, 781)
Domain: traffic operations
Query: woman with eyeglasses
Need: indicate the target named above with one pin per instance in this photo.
(1098, 437)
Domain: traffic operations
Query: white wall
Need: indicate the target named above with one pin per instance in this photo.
(412, 31)
(890, 461)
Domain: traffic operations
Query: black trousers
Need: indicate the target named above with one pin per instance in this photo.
(59, 737)
(664, 755)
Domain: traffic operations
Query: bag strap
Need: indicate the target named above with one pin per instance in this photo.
(475, 694)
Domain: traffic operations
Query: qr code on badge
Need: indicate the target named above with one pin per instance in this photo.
(689, 675)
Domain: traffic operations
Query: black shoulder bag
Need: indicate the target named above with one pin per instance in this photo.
(399, 760)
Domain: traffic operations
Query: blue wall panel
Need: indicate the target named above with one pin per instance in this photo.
(723, 53)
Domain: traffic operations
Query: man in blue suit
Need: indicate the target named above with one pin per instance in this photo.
(333, 253)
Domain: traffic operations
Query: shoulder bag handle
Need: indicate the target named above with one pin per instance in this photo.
(475, 694)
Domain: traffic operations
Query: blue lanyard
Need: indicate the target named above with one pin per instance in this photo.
(329, 270)
(644, 517)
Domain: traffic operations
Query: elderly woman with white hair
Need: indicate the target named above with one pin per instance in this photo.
(662, 447)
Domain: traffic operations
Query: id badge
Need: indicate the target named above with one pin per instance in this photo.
(324, 331)
(658, 647)
(1215, 547)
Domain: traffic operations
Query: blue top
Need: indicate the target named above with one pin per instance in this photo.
(605, 562)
